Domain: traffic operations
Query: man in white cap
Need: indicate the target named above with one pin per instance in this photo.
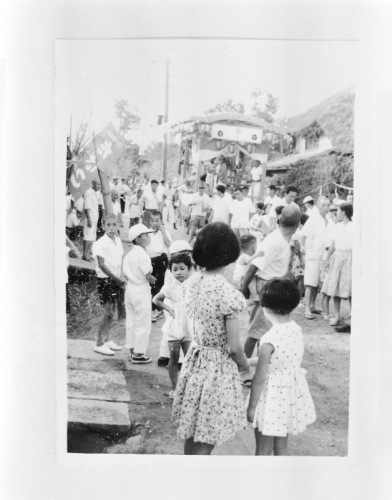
(137, 270)
(309, 206)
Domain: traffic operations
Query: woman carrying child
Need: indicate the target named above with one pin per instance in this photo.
(280, 402)
(208, 402)
(176, 328)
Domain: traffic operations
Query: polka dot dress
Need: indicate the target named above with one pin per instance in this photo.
(285, 405)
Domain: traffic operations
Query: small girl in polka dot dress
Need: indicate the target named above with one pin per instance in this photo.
(280, 402)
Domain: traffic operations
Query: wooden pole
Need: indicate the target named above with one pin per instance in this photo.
(164, 152)
(105, 186)
(262, 183)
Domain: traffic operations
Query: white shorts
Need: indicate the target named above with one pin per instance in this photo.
(312, 272)
(90, 233)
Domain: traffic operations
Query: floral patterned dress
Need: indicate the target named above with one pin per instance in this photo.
(208, 403)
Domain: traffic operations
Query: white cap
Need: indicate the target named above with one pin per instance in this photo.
(137, 230)
(179, 246)
(307, 199)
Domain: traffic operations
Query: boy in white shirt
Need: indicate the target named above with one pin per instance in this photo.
(108, 252)
(137, 269)
(158, 250)
(241, 211)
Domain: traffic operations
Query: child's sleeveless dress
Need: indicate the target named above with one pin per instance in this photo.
(208, 402)
(285, 405)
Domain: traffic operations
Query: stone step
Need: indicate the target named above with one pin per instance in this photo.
(108, 416)
(109, 386)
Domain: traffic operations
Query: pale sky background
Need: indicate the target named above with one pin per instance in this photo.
(91, 75)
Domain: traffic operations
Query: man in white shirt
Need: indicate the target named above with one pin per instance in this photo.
(221, 206)
(274, 263)
(272, 198)
(152, 201)
(256, 175)
(91, 219)
(241, 211)
(200, 204)
(135, 208)
(116, 207)
(314, 238)
(122, 191)
(288, 199)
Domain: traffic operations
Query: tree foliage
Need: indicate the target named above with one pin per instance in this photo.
(128, 120)
(227, 106)
(264, 105)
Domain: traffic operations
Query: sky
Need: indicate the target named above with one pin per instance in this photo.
(91, 75)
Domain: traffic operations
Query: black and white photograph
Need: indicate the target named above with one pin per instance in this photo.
(209, 224)
(219, 172)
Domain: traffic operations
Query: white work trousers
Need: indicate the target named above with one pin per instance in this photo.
(138, 321)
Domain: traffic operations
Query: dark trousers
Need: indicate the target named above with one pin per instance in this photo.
(159, 266)
(122, 205)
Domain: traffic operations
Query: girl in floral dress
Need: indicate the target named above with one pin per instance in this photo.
(279, 402)
(208, 403)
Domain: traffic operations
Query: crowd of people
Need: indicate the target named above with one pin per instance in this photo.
(284, 255)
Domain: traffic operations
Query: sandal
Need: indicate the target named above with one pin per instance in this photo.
(334, 322)
(309, 316)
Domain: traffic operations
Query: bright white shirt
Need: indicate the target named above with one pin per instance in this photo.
(91, 203)
(275, 200)
(136, 264)
(317, 232)
(116, 207)
(111, 251)
(72, 219)
(311, 211)
(221, 208)
(157, 246)
(275, 261)
(201, 204)
(256, 173)
(241, 211)
(151, 200)
(342, 235)
(135, 206)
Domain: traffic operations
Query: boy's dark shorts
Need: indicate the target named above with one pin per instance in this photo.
(109, 291)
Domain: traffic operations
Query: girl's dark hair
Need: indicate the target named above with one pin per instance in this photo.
(180, 258)
(246, 240)
(216, 245)
(260, 205)
(280, 295)
(347, 208)
(279, 209)
(303, 219)
(156, 213)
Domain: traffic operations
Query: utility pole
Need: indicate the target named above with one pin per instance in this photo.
(166, 117)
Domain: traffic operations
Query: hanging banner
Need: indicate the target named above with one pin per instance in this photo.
(208, 149)
(105, 148)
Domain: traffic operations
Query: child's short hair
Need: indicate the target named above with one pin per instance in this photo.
(260, 205)
(278, 209)
(110, 216)
(247, 240)
(156, 213)
(180, 258)
(303, 219)
(280, 295)
(347, 208)
(216, 246)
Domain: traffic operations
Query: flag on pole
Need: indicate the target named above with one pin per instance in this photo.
(103, 152)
